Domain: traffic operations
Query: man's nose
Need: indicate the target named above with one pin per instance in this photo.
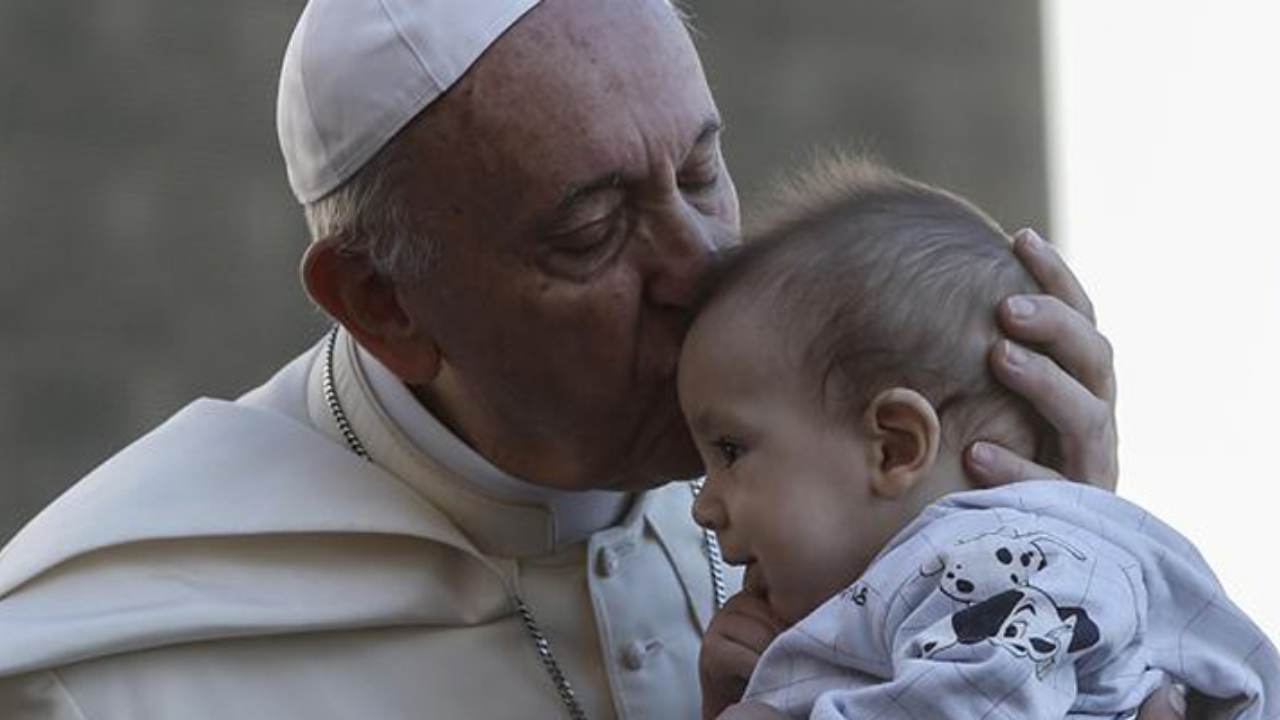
(681, 247)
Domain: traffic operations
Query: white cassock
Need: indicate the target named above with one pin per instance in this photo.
(241, 562)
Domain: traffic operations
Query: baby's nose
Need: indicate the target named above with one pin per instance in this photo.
(708, 513)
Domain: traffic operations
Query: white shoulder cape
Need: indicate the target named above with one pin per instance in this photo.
(232, 521)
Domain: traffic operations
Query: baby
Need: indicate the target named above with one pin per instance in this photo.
(833, 377)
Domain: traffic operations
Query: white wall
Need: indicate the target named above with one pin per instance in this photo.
(1164, 120)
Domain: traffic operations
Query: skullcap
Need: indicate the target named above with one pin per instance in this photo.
(357, 71)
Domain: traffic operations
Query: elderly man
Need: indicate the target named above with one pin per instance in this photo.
(458, 504)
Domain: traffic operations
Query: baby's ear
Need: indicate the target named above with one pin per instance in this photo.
(905, 436)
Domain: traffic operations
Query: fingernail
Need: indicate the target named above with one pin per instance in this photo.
(1178, 699)
(1031, 238)
(1014, 355)
(1020, 308)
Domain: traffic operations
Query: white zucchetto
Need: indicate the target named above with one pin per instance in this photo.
(356, 71)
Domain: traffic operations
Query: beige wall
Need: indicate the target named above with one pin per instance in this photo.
(150, 241)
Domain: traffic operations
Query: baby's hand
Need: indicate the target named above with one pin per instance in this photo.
(742, 629)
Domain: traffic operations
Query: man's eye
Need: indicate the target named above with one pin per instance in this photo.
(586, 241)
(701, 182)
(581, 250)
(730, 451)
(700, 174)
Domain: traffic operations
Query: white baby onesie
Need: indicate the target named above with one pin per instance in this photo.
(1042, 599)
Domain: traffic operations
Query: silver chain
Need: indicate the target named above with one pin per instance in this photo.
(711, 545)
(335, 407)
(540, 643)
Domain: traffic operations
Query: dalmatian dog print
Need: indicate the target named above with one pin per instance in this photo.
(991, 573)
(980, 567)
(1026, 622)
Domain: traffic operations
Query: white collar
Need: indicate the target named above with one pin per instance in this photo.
(578, 514)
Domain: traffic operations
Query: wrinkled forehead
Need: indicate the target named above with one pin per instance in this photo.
(577, 87)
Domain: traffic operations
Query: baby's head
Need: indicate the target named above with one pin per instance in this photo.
(837, 369)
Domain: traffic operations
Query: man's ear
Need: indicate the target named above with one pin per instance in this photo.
(368, 305)
(905, 436)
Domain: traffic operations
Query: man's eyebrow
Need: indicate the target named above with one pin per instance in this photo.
(612, 179)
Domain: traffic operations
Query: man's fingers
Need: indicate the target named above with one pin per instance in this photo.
(1073, 387)
(990, 465)
(1049, 269)
(1167, 703)
(1085, 423)
(1066, 336)
(1059, 398)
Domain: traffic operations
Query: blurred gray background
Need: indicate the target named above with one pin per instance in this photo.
(151, 243)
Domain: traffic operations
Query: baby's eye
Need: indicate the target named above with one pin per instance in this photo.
(730, 450)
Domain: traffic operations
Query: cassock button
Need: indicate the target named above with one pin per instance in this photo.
(607, 562)
(632, 655)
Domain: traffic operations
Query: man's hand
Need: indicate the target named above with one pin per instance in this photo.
(1173, 702)
(751, 711)
(1167, 703)
(742, 629)
(1072, 385)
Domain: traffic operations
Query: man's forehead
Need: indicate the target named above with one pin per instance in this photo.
(559, 108)
(572, 69)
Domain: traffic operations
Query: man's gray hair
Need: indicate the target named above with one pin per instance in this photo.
(370, 215)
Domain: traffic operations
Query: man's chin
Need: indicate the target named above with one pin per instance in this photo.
(660, 451)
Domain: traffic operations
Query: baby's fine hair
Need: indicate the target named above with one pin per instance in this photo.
(874, 280)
